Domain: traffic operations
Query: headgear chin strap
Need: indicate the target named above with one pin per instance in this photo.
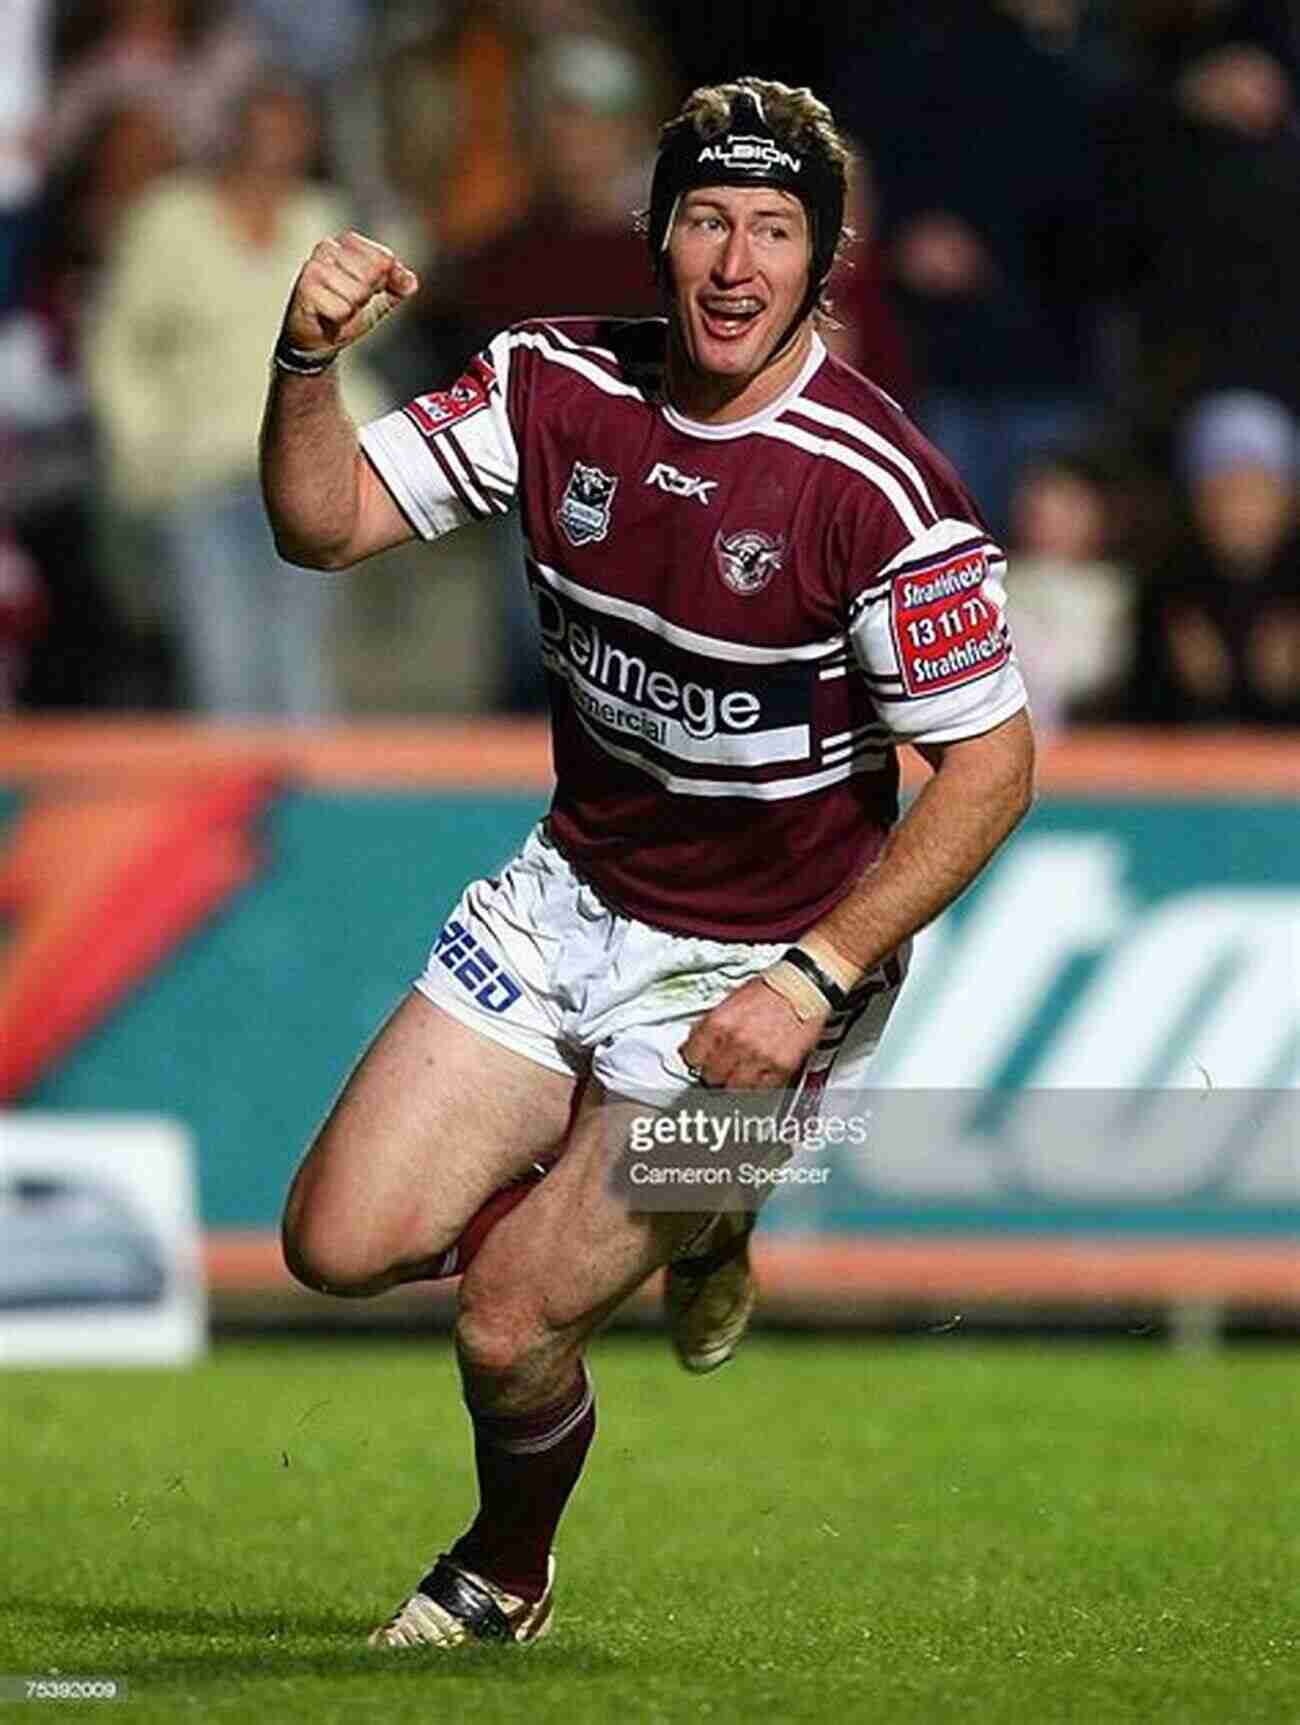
(749, 153)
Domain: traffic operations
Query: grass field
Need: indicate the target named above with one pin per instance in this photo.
(830, 1529)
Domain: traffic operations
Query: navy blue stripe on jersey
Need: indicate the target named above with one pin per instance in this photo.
(950, 552)
(478, 509)
(962, 548)
(748, 789)
(904, 699)
(868, 596)
(456, 461)
(494, 500)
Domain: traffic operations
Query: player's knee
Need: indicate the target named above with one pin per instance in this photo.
(325, 1266)
(497, 1337)
(325, 1257)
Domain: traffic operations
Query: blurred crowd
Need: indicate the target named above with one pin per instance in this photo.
(1077, 260)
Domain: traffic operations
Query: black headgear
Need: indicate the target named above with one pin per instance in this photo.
(749, 153)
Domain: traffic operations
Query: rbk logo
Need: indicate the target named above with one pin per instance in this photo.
(677, 484)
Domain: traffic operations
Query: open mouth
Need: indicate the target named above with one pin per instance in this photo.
(726, 319)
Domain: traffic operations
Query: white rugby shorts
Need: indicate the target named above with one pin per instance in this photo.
(536, 960)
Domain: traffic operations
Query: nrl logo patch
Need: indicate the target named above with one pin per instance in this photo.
(583, 513)
(748, 560)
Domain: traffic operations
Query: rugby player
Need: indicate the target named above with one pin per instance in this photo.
(753, 578)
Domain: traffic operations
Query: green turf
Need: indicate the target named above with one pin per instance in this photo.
(835, 1530)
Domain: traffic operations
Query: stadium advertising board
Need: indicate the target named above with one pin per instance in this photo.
(1130, 942)
(99, 1243)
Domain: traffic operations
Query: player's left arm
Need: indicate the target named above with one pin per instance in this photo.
(980, 790)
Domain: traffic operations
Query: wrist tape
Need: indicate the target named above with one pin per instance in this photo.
(802, 996)
(301, 362)
(812, 977)
(840, 970)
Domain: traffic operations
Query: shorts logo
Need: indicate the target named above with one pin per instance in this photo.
(666, 478)
(748, 560)
(475, 969)
(584, 509)
(749, 154)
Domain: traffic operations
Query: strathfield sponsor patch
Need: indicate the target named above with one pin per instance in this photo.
(945, 627)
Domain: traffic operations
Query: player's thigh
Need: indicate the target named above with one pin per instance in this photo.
(435, 1117)
(573, 1251)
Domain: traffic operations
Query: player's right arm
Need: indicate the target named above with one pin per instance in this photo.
(327, 507)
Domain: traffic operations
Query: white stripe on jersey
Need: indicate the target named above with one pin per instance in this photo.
(574, 360)
(856, 428)
(879, 731)
(581, 346)
(770, 791)
(709, 646)
(880, 477)
(852, 752)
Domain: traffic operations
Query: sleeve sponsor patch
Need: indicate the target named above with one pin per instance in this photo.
(946, 628)
(446, 407)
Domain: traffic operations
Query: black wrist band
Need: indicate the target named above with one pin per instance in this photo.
(836, 998)
(301, 363)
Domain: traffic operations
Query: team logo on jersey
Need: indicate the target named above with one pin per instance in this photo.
(666, 478)
(748, 560)
(584, 509)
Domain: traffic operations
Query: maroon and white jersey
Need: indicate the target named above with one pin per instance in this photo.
(739, 620)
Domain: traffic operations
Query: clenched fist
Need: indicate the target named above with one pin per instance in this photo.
(347, 286)
(752, 1040)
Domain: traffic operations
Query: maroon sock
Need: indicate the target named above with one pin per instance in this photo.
(527, 1466)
